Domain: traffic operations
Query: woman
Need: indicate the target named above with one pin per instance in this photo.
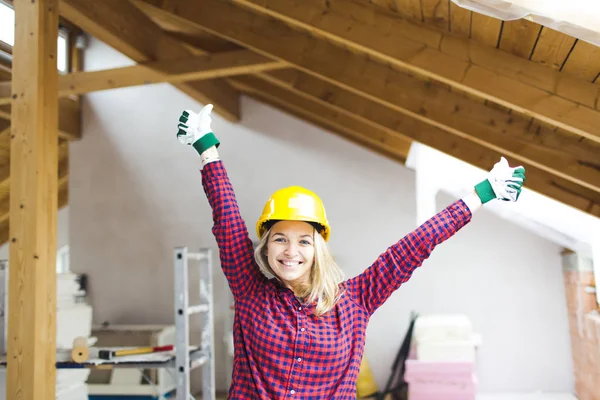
(299, 328)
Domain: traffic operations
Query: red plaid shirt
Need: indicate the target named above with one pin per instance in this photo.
(281, 349)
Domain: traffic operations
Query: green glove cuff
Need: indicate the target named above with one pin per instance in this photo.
(206, 142)
(484, 191)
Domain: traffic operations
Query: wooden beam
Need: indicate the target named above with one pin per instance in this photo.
(387, 120)
(388, 145)
(69, 118)
(69, 115)
(5, 112)
(556, 152)
(124, 27)
(4, 144)
(31, 371)
(543, 93)
(63, 176)
(5, 181)
(192, 68)
(63, 200)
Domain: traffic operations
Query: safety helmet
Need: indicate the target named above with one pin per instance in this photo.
(294, 203)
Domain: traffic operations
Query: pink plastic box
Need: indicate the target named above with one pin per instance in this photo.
(440, 380)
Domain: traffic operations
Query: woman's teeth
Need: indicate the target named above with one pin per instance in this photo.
(290, 263)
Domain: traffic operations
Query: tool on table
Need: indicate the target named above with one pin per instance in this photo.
(80, 351)
(110, 354)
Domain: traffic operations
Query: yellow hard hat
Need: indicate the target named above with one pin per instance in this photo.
(294, 203)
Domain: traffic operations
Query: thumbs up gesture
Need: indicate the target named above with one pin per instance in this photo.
(195, 129)
(503, 183)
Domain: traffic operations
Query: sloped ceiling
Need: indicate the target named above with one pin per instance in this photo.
(381, 73)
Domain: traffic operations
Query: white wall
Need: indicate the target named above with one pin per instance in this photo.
(136, 193)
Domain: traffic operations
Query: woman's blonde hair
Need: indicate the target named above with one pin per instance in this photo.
(325, 274)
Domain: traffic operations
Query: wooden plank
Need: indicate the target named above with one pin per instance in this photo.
(485, 29)
(436, 13)
(69, 118)
(202, 44)
(463, 64)
(584, 61)
(63, 200)
(383, 118)
(460, 20)
(374, 139)
(387, 4)
(4, 141)
(193, 68)
(552, 48)
(410, 8)
(4, 231)
(124, 27)
(63, 176)
(554, 151)
(31, 372)
(519, 37)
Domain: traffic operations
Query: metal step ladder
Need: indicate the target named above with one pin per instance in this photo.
(185, 361)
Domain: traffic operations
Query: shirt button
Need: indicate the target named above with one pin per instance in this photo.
(299, 308)
(292, 391)
(302, 329)
(299, 359)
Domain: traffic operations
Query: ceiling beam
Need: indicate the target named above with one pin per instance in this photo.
(383, 118)
(192, 68)
(124, 27)
(69, 115)
(546, 94)
(383, 143)
(560, 154)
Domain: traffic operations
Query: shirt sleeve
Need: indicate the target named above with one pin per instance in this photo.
(236, 251)
(396, 265)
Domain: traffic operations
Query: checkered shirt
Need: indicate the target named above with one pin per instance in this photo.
(282, 351)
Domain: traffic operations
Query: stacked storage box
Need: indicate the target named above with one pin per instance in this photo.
(442, 365)
(73, 319)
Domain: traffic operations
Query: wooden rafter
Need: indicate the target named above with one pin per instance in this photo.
(561, 157)
(192, 68)
(394, 147)
(31, 371)
(384, 118)
(122, 26)
(557, 98)
(63, 176)
(69, 116)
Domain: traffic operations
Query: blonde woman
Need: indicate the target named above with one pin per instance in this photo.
(299, 327)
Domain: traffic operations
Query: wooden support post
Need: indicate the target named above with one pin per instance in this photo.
(31, 359)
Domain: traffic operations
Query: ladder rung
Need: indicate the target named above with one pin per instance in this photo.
(198, 359)
(197, 309)
(199, 362)
(197, 256)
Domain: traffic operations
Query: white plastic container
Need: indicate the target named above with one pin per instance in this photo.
(442, 328)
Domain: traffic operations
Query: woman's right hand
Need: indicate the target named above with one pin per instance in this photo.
(195, 129)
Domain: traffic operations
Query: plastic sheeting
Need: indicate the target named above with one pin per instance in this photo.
(577, 18)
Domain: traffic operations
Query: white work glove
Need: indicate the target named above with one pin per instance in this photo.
(503, 183)
(195, 129)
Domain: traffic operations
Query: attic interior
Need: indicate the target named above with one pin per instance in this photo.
(390, 110)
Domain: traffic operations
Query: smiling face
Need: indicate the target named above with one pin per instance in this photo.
(291, 252)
